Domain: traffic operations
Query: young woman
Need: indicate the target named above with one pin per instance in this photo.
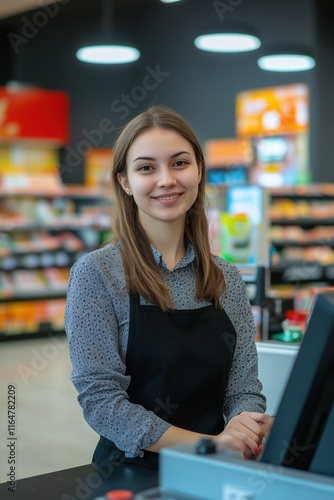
(161, 334)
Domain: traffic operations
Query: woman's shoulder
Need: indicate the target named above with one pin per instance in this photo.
(104, 257)
(228, 268)
(235, 287)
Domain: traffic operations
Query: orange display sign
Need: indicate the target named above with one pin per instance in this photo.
(34, 114)
(98, 167)
(225, 152)
(273, 111)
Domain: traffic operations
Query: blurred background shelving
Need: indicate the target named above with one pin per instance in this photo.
(267, 125)
(42, 235)
(301, 234)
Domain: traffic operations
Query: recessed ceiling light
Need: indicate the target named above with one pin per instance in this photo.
(286, 62)
(169, 1)
(108, 54)
(227, 42)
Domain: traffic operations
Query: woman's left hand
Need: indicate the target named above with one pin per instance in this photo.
(245, 433)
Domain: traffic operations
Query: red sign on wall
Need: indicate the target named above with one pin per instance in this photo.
(34, 114)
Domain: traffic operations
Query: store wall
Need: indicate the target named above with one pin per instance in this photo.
(171, 71)
(5, 57)
(323, 127)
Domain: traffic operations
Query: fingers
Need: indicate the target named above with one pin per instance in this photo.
(266, 424)
(241, 441)
(245, 422)
(264, 420)
(231, 441)
(245, 433)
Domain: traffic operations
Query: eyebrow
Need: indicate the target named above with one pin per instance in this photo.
(152, 159)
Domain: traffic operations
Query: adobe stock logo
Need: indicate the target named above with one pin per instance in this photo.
(41, 359)
(121, 108)
(223, 8)
(31, 27)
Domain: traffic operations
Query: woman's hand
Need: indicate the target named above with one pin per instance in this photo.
(244, 433)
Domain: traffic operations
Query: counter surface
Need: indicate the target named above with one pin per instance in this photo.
(81, 483)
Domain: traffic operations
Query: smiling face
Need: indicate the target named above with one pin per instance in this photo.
(163, 176)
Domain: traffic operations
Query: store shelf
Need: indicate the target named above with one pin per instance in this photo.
(302, 230)
(303, 243)
(303, 221)
(301, 235)
(33, 296)
(32, 314)
(44, 331)
(57, 226)
(296, 243)
(71, 191)
(312, 191)
(41, 236)
(303, 271)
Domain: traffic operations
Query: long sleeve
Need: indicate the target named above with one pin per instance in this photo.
(97, 336)
(244, 388)
(97, 327)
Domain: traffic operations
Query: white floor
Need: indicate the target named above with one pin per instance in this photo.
(50, 429)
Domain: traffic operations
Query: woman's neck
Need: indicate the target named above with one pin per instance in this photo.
(168, 239)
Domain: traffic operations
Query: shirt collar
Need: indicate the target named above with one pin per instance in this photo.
(188, 258)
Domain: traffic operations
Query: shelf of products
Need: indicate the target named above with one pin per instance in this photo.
(301, 235)
(32, 317)
(302, 232)
(41, 236)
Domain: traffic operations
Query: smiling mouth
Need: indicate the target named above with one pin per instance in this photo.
(170, 197)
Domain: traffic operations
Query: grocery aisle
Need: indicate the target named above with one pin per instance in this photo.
(49, 426)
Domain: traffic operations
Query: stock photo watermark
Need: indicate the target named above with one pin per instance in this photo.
(30, 27)
(41, 358)
(11, 437)
(260, 480)
(222, 8)
(85, 487)
(229, 339)
(121, 108)
(165, 406)
(263, 477)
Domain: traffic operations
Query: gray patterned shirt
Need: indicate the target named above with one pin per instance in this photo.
(97, 327)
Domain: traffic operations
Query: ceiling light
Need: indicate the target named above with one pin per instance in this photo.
(104, 52)
(287, 62)
(169, 1)
(108, 54)
(227, 42)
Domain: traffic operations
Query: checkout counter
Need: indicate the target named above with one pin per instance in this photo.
(81, 483)
(184, 475)
(297, 460)
(187, 474)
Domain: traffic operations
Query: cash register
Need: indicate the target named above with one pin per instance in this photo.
(297, 461)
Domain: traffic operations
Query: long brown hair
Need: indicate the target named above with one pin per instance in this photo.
(141, 271)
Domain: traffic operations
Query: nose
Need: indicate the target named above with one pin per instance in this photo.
(166, 178)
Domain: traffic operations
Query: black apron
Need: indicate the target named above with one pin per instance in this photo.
(179, 363)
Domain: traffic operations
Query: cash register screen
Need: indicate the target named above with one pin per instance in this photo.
(302, 435)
